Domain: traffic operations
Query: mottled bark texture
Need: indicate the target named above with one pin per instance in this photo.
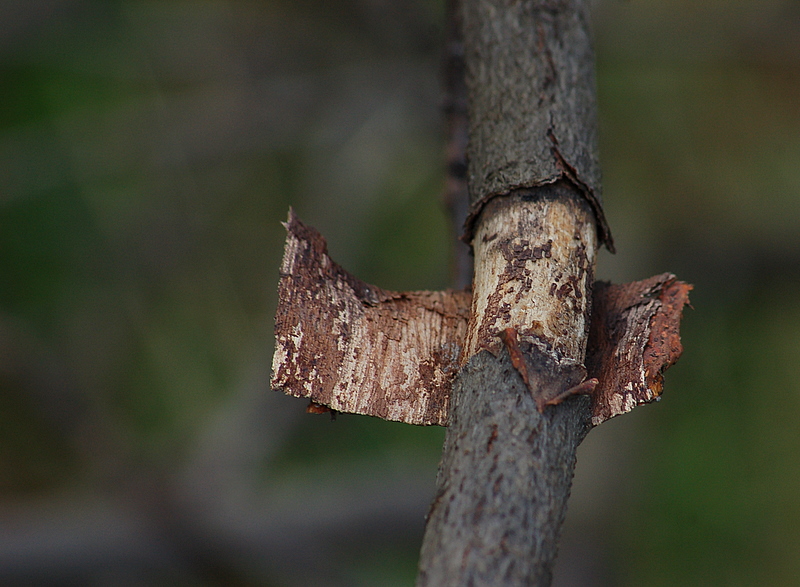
(405, 347)
(634, 338)
(534, 268)
(357, 348)
(506, 471)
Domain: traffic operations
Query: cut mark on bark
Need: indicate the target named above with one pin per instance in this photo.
(569, 171)
(357, 348)
(584, 388)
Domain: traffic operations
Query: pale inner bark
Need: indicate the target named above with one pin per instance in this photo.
(534, 259)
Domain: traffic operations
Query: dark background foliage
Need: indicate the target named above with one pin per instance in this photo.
(148, 152)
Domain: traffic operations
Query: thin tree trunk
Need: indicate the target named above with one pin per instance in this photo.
(457, 132)
(533, 178)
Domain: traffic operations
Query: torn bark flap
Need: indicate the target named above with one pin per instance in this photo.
(634, 338)
(358, 348)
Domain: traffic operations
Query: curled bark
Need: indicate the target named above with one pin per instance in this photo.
(357, 348)
(634, 338)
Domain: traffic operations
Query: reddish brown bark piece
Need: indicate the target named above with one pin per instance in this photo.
(358, 348)
(315, 408)
(509, 338)
(361, 349)
(634, 338)
(545, 390)
(585, 388)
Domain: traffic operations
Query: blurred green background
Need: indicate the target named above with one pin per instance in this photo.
(148, 152)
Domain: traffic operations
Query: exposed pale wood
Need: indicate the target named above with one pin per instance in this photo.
(534, 268)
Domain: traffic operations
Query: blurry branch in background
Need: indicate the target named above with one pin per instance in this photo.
(168, 133)
(149, 151)
(457, 129)
(211, 519)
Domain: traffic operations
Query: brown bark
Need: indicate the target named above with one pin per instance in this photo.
(634, 338)
(357, 348)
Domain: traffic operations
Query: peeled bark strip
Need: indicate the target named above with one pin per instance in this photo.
(407, 345)
(358, 348)
(634, 338)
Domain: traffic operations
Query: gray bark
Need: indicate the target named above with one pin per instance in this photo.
(530, 73)
(531, 95)
(504, 481)
(507, 469)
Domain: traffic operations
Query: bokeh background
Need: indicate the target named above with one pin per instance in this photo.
(149, 151)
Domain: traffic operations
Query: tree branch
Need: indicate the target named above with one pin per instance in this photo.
(534, 185)
(518, 406)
